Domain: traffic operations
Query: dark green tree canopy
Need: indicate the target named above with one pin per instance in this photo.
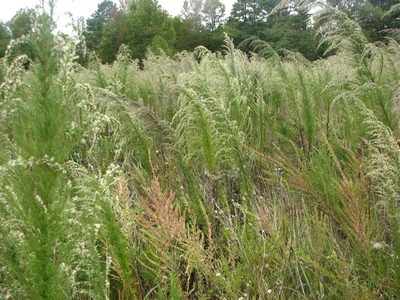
(94, 26)
(5, 37)
(370, 15)
(4, 33)
(288, 27)
(384, 4)
(252, 10)
(115, 33)
(291, 32)
(146, 21)
(144, 24)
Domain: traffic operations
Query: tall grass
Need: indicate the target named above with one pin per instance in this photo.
(206, 176)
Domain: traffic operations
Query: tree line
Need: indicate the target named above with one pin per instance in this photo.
(144, 24)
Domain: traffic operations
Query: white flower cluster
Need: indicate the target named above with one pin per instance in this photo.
(29, 163)
(9, 206)
(109, 178)
(66, 65)
(13, 75)
(78, 29)
(9, 291)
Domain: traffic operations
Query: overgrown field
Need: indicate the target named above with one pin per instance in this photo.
(206, 176)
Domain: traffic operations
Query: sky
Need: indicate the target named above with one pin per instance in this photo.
(86, 7)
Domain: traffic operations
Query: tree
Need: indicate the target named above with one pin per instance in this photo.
(191, 23)
(81, 45)
(213, 12)
(94, 26)
(191, 14)
(201, 22)
(159, 44)
(4, 31)
(384, 4)
(5, 37)
(345, 5)
(147, 20)
(252, 10)
(183, 40)
(369, 17)
(391, 19)
(125, 5)
(291, 32)
(288, 27)
(114, 33)
(22, 23)
(249, 18)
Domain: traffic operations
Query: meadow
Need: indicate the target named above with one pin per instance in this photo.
(203, 176)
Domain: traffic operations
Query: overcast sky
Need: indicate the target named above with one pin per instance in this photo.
(86, 7)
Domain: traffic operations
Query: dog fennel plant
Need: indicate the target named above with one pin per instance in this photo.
(50, 227)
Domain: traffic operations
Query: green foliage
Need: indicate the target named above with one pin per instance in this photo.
(395, 32)
(21, 27)
(22, 23)
(283, 27)
(204, 175)
(252, 10)
(160, 46)
(4, 34)
(3, 46)
(200, 24)
(94, 26)
(371, 15)
(370, 21)
(292, 33)
(114, 34)
(147, 21)
(4, 38)
(46, 253)
(192, 15)
(213, 11)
